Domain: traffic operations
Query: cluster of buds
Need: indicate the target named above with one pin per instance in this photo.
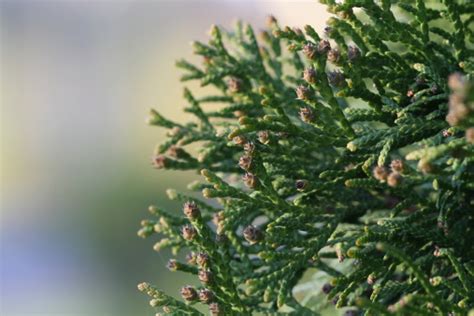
(312, 51)
(392, 178)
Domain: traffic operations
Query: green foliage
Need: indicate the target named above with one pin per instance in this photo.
(350, 155)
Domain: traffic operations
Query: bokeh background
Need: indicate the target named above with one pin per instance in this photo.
(77, 79)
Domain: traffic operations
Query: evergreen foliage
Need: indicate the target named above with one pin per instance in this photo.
(348, 154)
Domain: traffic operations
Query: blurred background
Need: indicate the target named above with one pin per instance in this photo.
(77, 79)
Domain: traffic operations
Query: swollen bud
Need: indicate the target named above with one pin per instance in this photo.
(336, 79)
(306, 115)
(309, 75)
(216, 309)
(234, 85)
(250, 180)
(202, 260)
(191, 210)
(206, 296)
(310, 51)
(205, 276)
(189, 293)
(252, 234)
(188, 232)
(303, 93)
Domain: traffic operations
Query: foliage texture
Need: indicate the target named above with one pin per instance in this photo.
(338, 167)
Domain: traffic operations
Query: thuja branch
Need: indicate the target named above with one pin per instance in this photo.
(349, 153)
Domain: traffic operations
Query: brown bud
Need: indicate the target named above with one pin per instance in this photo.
(240, 140)
(189, 293)
(301, 185)
(249, 148)
(380, 173)
(336, 79)
(310, 50)
(250, 180)
(188, 232)
(216, 309)
(324, 46)
(394, 179)
(397, 165)
(205, 276)
(309, 75)
(306, 115)
(353, 53)
(327, 288)
(202, 260)
(470, 135)
(206, 296)
(252, 234)
(245, 162)
(191, 258)
(303, 93)
(234, 85)
(264, 137)
(334, 56)
(191, 210)
(159, 162)
(172, 265)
